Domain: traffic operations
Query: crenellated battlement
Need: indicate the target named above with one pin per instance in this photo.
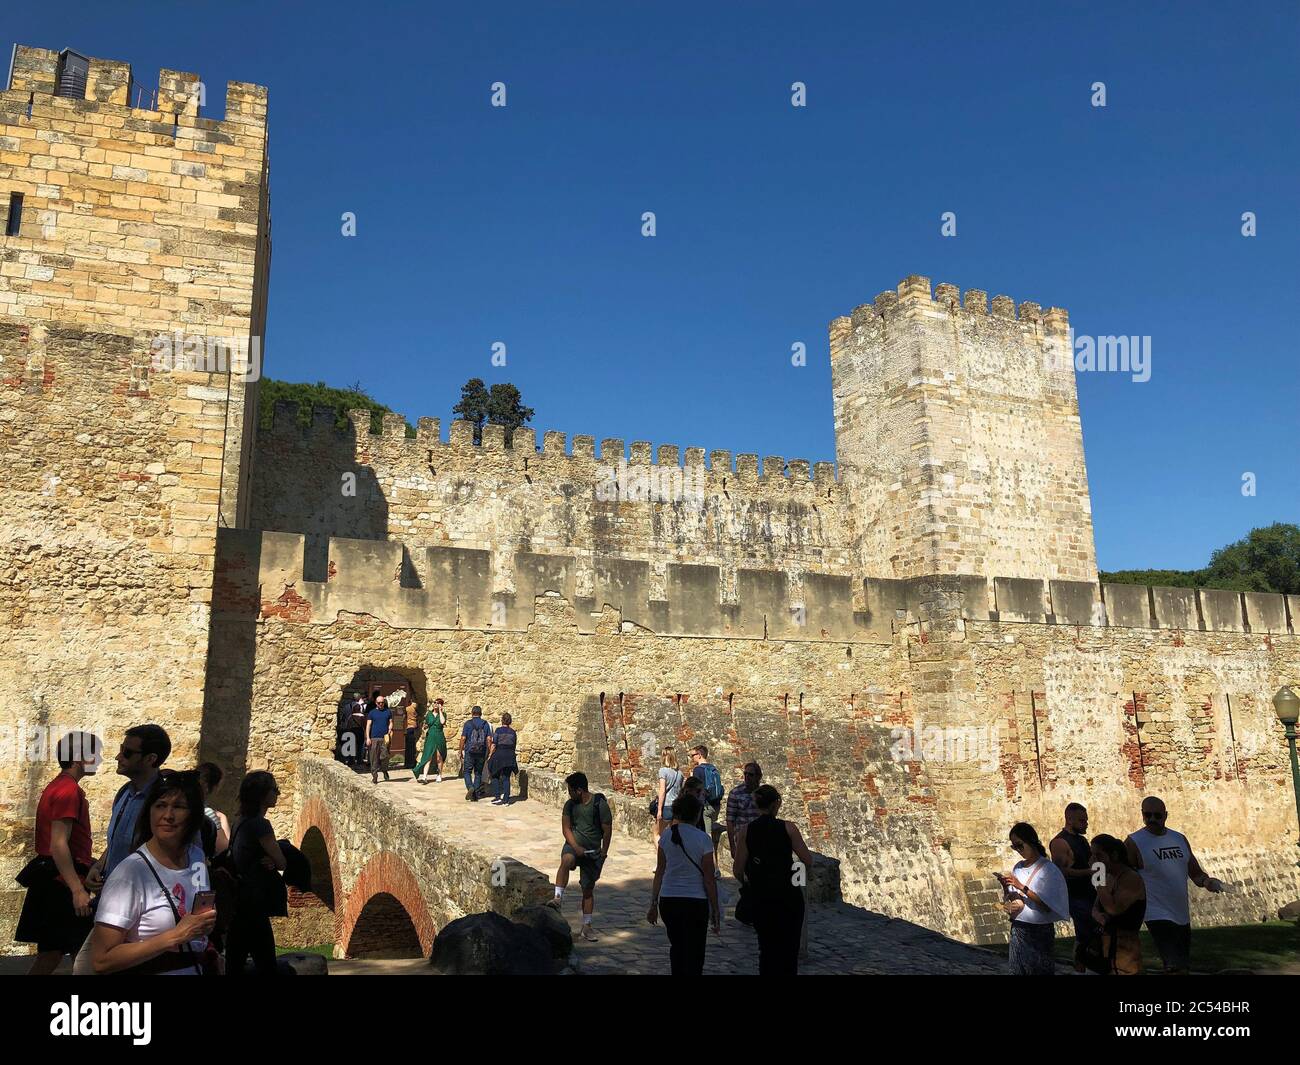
(455, 587)
(112, 89)
(431, 447)
(914, 295)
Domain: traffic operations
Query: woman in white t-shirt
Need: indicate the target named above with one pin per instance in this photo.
(685, 890)
(146, 921)
(1036, 897)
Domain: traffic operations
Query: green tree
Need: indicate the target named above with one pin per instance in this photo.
(502, 405)
(1264, 560)
(473, 405)
(505, 407)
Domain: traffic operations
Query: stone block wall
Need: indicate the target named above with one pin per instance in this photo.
(584, 502)
(906, 756)
(958, 437)
(135, 223)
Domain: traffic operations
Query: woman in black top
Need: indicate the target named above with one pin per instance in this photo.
(765, 861)
(501, 760)
(259, 861)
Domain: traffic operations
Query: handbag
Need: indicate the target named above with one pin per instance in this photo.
(1095, 958)
(40, 870)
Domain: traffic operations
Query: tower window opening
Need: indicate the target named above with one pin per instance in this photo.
(14, 222)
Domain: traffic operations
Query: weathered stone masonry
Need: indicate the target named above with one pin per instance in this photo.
(136, 223)
(912, 641)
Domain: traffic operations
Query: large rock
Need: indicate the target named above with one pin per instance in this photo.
(552, 926)
(1289, 912)
(486, 944)
(296, 965)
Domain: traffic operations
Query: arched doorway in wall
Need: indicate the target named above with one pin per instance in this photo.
(384, 929)
(386, 680)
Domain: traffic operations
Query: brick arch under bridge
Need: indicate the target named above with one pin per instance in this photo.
(378, 910)
(392, 878)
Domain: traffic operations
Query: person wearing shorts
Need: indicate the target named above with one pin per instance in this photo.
(1165, 860)
(587, 823)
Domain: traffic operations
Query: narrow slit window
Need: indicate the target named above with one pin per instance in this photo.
(14, 221)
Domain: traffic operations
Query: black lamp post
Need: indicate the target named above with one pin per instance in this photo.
(1287, 705)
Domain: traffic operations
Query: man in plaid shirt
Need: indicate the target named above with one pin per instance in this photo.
(740, 804)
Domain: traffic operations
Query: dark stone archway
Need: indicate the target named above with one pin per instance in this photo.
(384, 929)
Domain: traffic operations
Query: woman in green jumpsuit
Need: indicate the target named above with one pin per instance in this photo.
(435, 744)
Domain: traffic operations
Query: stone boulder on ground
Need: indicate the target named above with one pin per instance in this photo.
(1289, 912)
(297, 965)
(553, 927)
(486, 944)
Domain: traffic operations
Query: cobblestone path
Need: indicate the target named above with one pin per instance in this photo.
(841, 938)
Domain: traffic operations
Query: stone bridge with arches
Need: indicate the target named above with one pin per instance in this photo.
(393, 863)
(384, 878)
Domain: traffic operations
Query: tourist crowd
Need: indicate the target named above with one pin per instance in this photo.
(180, 889)
(1107, 888)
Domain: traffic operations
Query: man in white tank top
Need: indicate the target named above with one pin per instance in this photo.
(1166, 862)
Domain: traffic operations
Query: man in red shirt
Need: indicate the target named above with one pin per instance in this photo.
(56, 913)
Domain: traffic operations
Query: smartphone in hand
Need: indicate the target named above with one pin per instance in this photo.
(204, 901)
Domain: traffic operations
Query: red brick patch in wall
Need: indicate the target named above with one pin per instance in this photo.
(1132, 749)
(386, 873)
(290, 606)
(1009, 752)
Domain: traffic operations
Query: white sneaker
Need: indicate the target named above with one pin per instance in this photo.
(588, 933)
(438, 779)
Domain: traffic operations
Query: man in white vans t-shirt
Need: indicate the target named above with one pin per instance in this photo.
(1166, 862)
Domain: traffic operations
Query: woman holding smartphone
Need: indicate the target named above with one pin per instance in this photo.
(1035, 898)
(156, 910)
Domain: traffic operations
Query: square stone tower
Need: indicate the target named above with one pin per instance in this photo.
(134, 257)
(958, 437)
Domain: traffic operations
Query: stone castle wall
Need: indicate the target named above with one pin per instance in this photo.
(905, 745)
(641, 505)
(135, 223)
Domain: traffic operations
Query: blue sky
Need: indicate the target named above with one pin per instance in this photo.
(522, 224)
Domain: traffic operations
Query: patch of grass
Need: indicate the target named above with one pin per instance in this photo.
(1262, 945)
(325, 950)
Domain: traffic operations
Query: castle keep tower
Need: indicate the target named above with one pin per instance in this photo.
(130, 218)
(958, 438)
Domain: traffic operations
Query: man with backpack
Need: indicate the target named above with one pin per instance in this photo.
(714, 793)
(473, 752)
(587, 823)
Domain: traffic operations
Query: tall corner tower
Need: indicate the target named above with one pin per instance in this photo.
(957, 432)
(134, 259)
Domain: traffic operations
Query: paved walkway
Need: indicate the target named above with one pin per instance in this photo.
(841, 938)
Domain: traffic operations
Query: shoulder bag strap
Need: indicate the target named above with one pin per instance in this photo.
(176, 914)
(675, 833)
